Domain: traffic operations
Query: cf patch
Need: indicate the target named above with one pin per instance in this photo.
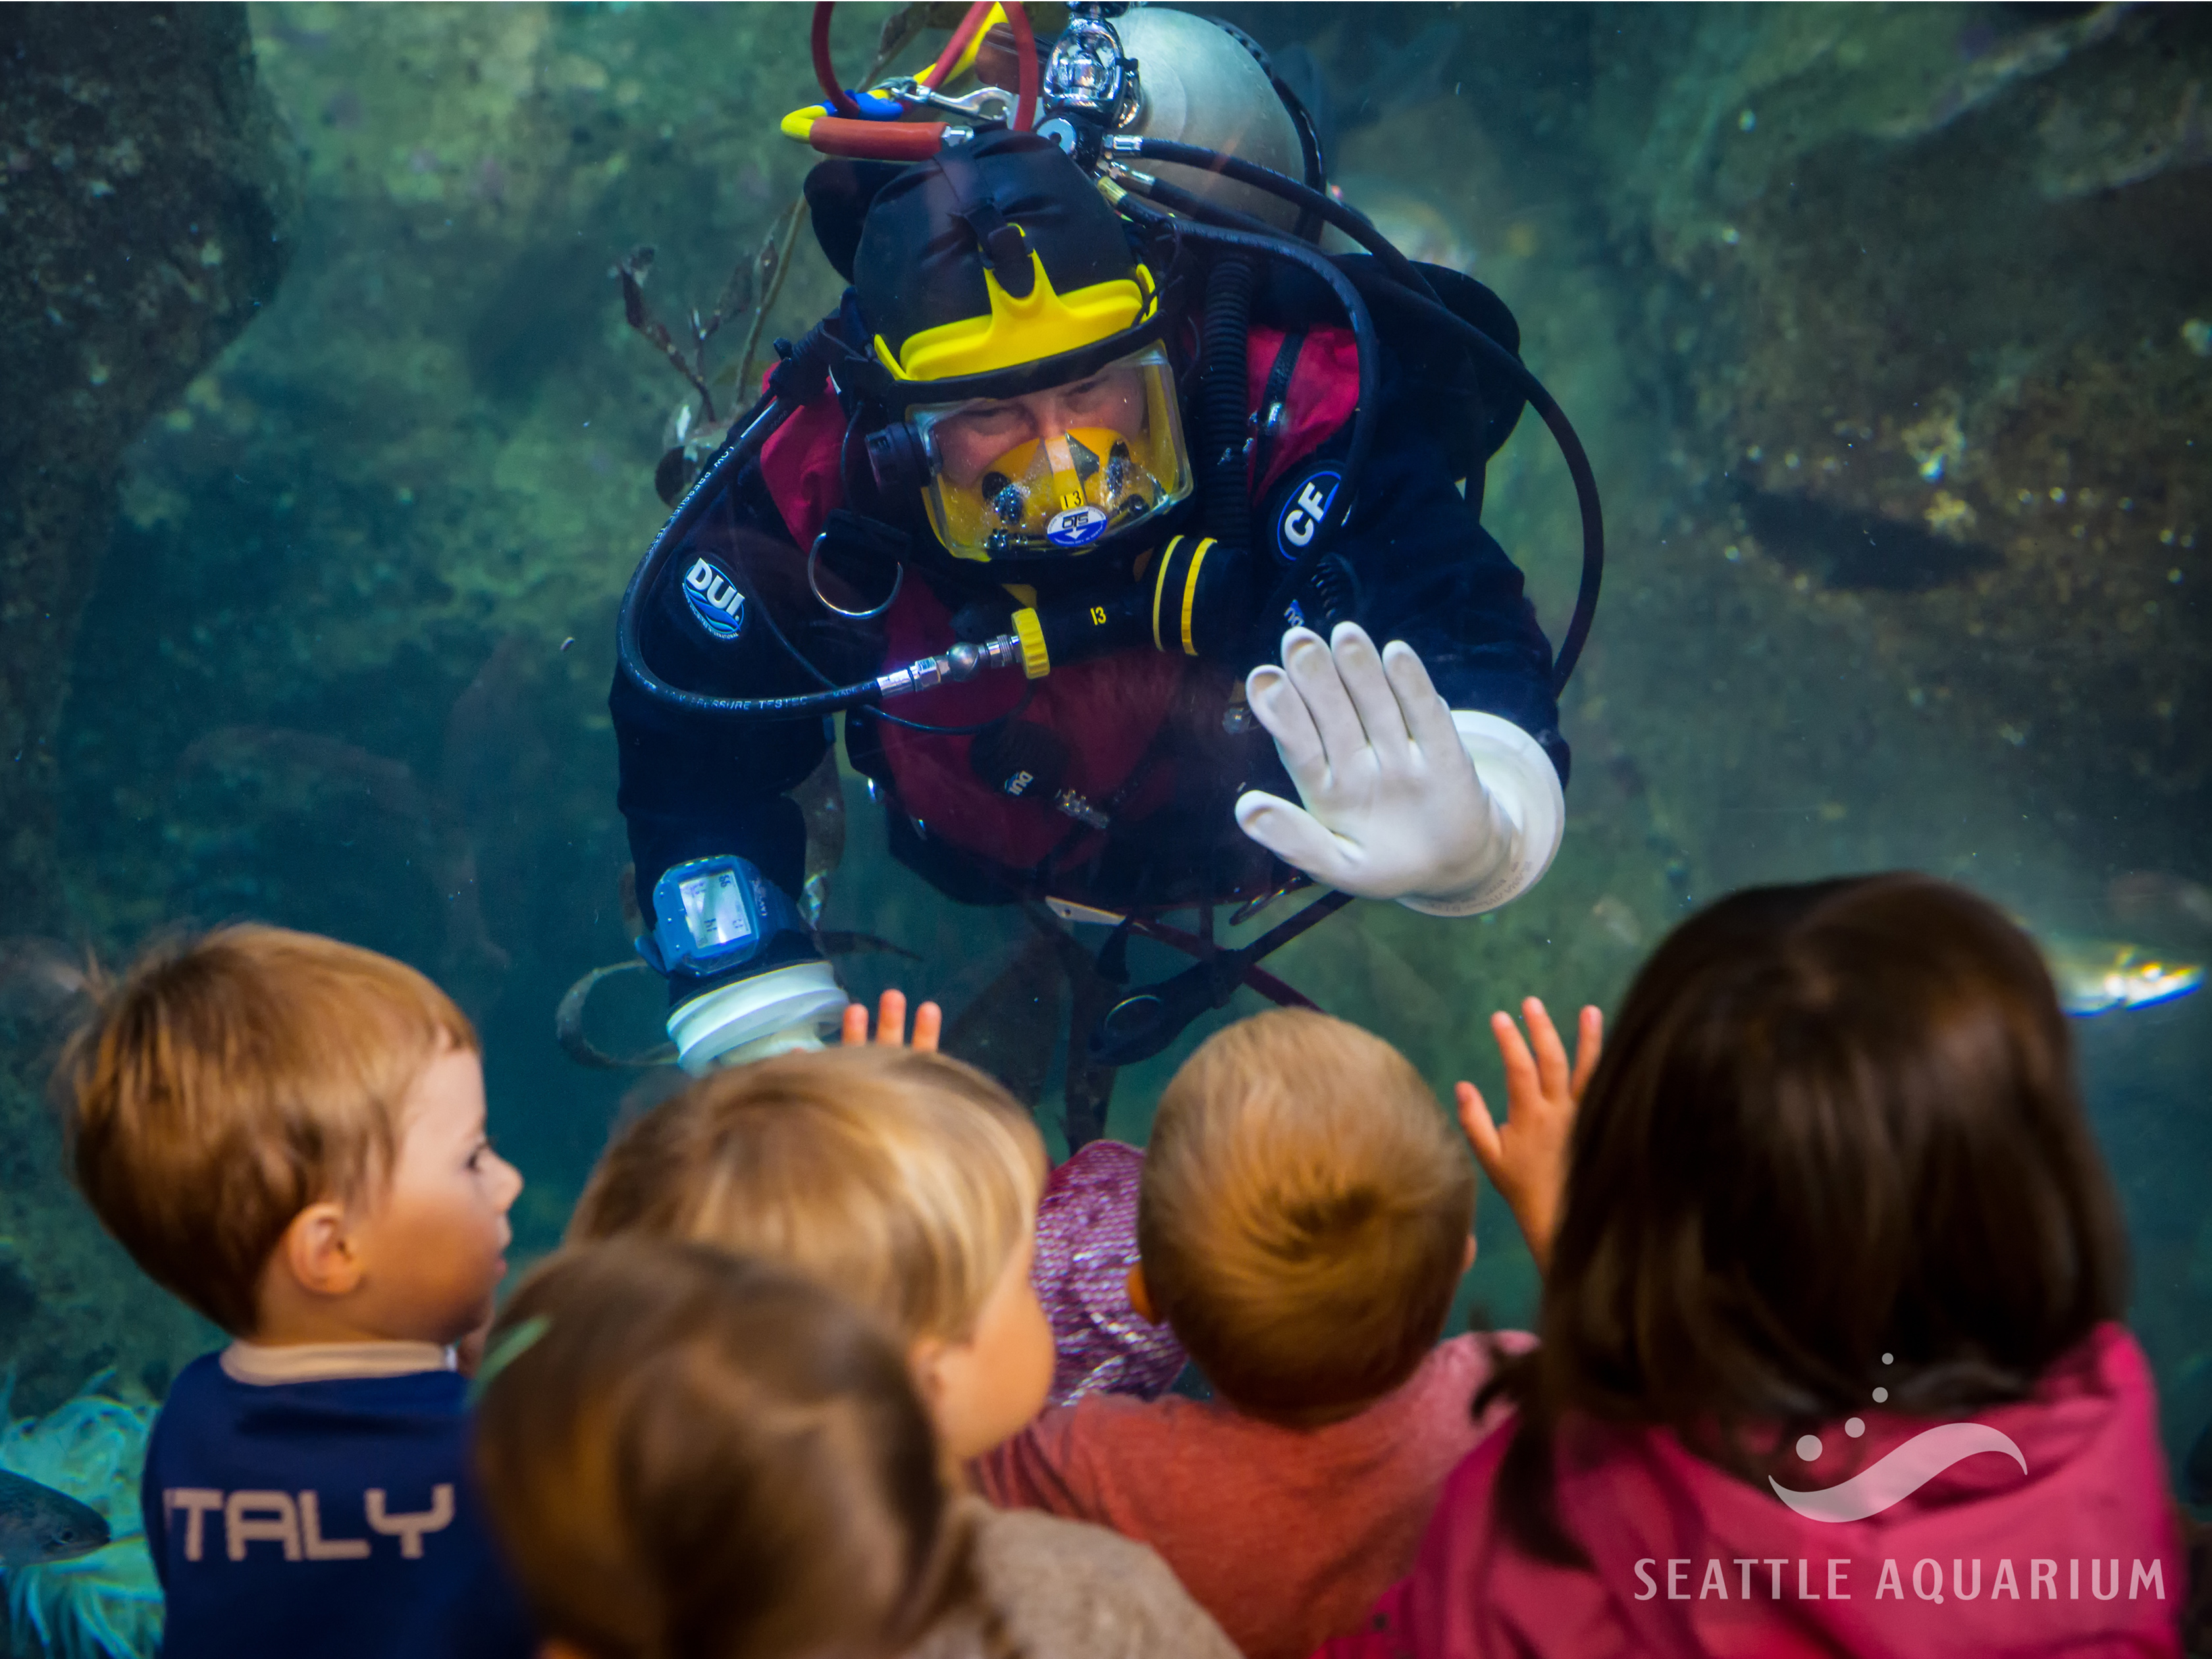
(1301, 517)
(714, 600)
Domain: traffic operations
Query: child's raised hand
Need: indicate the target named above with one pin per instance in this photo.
(890, 1023)
(1527, 1160)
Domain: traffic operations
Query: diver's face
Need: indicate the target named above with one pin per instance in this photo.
(970, 439)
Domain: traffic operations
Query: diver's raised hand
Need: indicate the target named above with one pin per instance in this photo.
(1392, 806)
(1527, 1160)
(890, 1023)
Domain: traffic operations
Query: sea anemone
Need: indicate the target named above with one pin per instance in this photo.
(106, 1605)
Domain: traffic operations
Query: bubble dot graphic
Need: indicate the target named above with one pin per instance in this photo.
(1881, 1395)
(1855, 1426)
(1808, 1446)
(1889, 1359)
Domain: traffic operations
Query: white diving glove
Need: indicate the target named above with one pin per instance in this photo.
(771, 1013)
(1448, 812)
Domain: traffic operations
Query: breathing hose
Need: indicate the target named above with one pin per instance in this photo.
(1223, 351)
(1362, 414)
(794, 382)
(1353, 222)
(1417, 294)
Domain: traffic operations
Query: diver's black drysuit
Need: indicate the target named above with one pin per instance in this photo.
(1422, 570)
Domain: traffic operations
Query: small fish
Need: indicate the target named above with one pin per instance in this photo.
(2097, 976)
(1618, 921)
(38, 1524)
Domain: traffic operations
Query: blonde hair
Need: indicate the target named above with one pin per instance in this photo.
(231, 1080)
(905, 1181)
(1303, 1215)
(692, 1455)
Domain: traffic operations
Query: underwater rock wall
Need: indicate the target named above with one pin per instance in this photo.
(145, 204)
(1926, 296)
(142, 205)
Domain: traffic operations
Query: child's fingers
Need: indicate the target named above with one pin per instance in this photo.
(1475, 1120)
(1589, 1042)
(1520, 1063)
(855, 1031)
(1551, 1053)
(890, 1020)
(929, 1025)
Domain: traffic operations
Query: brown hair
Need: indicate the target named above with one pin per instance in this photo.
(231, 1078)
(903, 1180)
(689, 1455)
(1832, 1122)
(1303, 1215)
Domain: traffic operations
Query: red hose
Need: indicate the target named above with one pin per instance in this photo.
(825, 72)
(1025, 64)
(959, 44)
(877, 141)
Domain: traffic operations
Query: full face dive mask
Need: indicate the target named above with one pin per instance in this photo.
(1055, 472)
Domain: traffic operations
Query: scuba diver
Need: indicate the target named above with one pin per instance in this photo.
(1112, 484)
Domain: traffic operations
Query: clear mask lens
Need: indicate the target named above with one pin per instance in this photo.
(1055, 472)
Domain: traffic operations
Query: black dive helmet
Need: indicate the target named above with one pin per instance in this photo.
(1001, 265)
(996, 270)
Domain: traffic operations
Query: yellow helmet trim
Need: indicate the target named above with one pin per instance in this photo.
(1025, 330)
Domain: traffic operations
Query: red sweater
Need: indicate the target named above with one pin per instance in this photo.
(2079, 1554)
(1284, 1535)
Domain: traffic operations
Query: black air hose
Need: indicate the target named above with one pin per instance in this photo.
(1268, 620)
(1224, 348)
(1349, 220)
(1421, 297)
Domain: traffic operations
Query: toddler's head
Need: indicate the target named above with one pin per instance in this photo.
(687, 1452)
(1833, 1122)
(903, 1180)
(288, 1132)
(1303, 1216)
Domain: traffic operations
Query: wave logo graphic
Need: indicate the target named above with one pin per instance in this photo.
(1898, 1476)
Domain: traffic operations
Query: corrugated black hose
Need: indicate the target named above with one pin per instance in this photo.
(1224, 346)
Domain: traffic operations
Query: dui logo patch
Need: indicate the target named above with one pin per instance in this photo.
(714, 600)
(1295, 526)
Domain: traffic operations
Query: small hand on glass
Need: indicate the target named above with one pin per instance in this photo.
(1527, 1160)
(890, 1023)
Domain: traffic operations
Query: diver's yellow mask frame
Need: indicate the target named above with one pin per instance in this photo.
(1052, 473)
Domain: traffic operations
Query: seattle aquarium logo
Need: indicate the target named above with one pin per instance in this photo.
(1898, 1475)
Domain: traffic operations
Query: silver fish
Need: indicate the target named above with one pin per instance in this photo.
(38, 1524)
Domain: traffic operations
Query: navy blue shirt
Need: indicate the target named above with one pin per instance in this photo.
(336, 1518)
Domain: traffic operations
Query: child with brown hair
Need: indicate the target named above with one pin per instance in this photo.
(692, 1455)
(908, 1183)
(288, 1134)
(1830, 1359)
(1303, 1221)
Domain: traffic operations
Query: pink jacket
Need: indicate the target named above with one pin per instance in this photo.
(2081, 1554)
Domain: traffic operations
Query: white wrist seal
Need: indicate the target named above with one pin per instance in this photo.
(1529, 816)
(770, 1013)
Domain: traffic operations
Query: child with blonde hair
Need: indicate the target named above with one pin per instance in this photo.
(1831, 1361)
(908, 1183)
(1302, 1222)
(288, 1134)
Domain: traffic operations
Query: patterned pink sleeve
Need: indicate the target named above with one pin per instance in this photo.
(1086, 1243)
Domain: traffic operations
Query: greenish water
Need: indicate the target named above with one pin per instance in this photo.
(1789, 271)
